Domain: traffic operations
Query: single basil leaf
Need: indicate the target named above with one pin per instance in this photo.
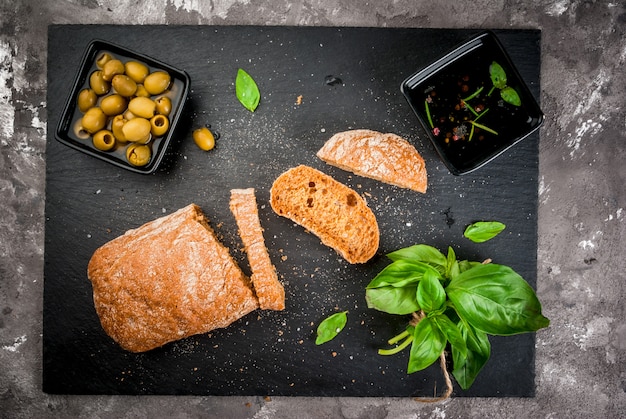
(495, 299)
(452, 266)
(247, 91)
(420, 253)
(451, 331)
(393, 300)
(400, 273)
(430, 293)
(510, 96)
(497, 74)
(428, 344)
(482, 231)
(478, 350)
(330, 327)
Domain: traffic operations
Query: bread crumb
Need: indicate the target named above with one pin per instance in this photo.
(334, 354)
(267, 398)
(299, 100)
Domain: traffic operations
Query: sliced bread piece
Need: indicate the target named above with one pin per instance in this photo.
(329, 209)
(166, 280)
(387, 157)
(268, 288)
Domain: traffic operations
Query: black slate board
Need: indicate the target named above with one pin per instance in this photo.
(89, 202)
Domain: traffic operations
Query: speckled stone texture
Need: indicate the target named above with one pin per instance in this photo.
(580, 358)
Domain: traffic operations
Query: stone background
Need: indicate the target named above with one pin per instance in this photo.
(580, 359)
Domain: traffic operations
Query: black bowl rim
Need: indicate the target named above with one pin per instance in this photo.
(66, 115)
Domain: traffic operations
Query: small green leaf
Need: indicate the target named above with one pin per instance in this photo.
(247, 91)
(452, 266)
(452, 332)
(498, 76)
(478, 350)
(510, 96)
(393, 300)
(495, 299)
(428, 344)
(482, 231)
(330, 327)
(400, 273)
(430, 293)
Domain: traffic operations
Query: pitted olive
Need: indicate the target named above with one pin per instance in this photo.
(113, 104)
(124, 85)
(98, 83)
(203, 137)
(138, 154)
(157, 82)
(159, 125)
(116, 126)
(87, 98)
(93, 120)
(136, 71)
(163, 105)
(80, 131)
(142, 106)
(102, 59)
(112, 68)
(137, 130)
(141, 91)
(104, 140)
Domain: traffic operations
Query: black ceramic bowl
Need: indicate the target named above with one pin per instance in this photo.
(473, 103)
(69, 132)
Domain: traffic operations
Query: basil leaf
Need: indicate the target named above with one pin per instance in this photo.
(420, 253)
(465, 265)
(452, 266)
(510, 96)
(399, 274)
(482, 231)
(495, 299)
(497, 74)
(428, 344)
(247, 91)
(430, 293)
(330, 327)
(478, 350)
(393, 300)
(451, 331)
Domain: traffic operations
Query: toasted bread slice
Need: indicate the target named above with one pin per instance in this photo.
(388, 158)
(268, 288)
(166, 280)
(329, 209)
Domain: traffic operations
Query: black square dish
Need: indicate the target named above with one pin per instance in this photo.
(473, 103)
(71, 133)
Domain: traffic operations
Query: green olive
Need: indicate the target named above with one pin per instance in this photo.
(99, 85)
(136, 71)
(163, 105)
(93, 120)
(113, 104)
(104, 140)
(112, 68)
(159, 125)
(142, 106)
(157, 82)
(141, 91)
(203, 137)
(138, 154)
(137, 130)
(102, 59)
(116, 126)
(124, 85)
(87, 98)
(80, 132)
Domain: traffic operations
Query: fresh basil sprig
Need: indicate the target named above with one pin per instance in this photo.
(499, 79)
(330, 327)
(247, 90)
(453, 301)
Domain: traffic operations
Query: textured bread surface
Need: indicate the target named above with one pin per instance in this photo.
(387, 157)
(166, 280)
(329, 209)
(267, 287)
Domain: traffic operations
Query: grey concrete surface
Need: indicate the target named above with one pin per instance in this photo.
(580, 358)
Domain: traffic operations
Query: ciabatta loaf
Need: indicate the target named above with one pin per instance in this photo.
(166, 280)
(267, 287)
(388, 157)
(329, 209)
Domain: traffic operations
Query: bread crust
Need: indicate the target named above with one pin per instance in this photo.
(168, 279)
(386, 157)
(329, 209)
(268, 288)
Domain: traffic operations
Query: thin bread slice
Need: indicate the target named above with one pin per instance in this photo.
(387, 157)
(166, 280)
(268, 288)
(329, 209)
